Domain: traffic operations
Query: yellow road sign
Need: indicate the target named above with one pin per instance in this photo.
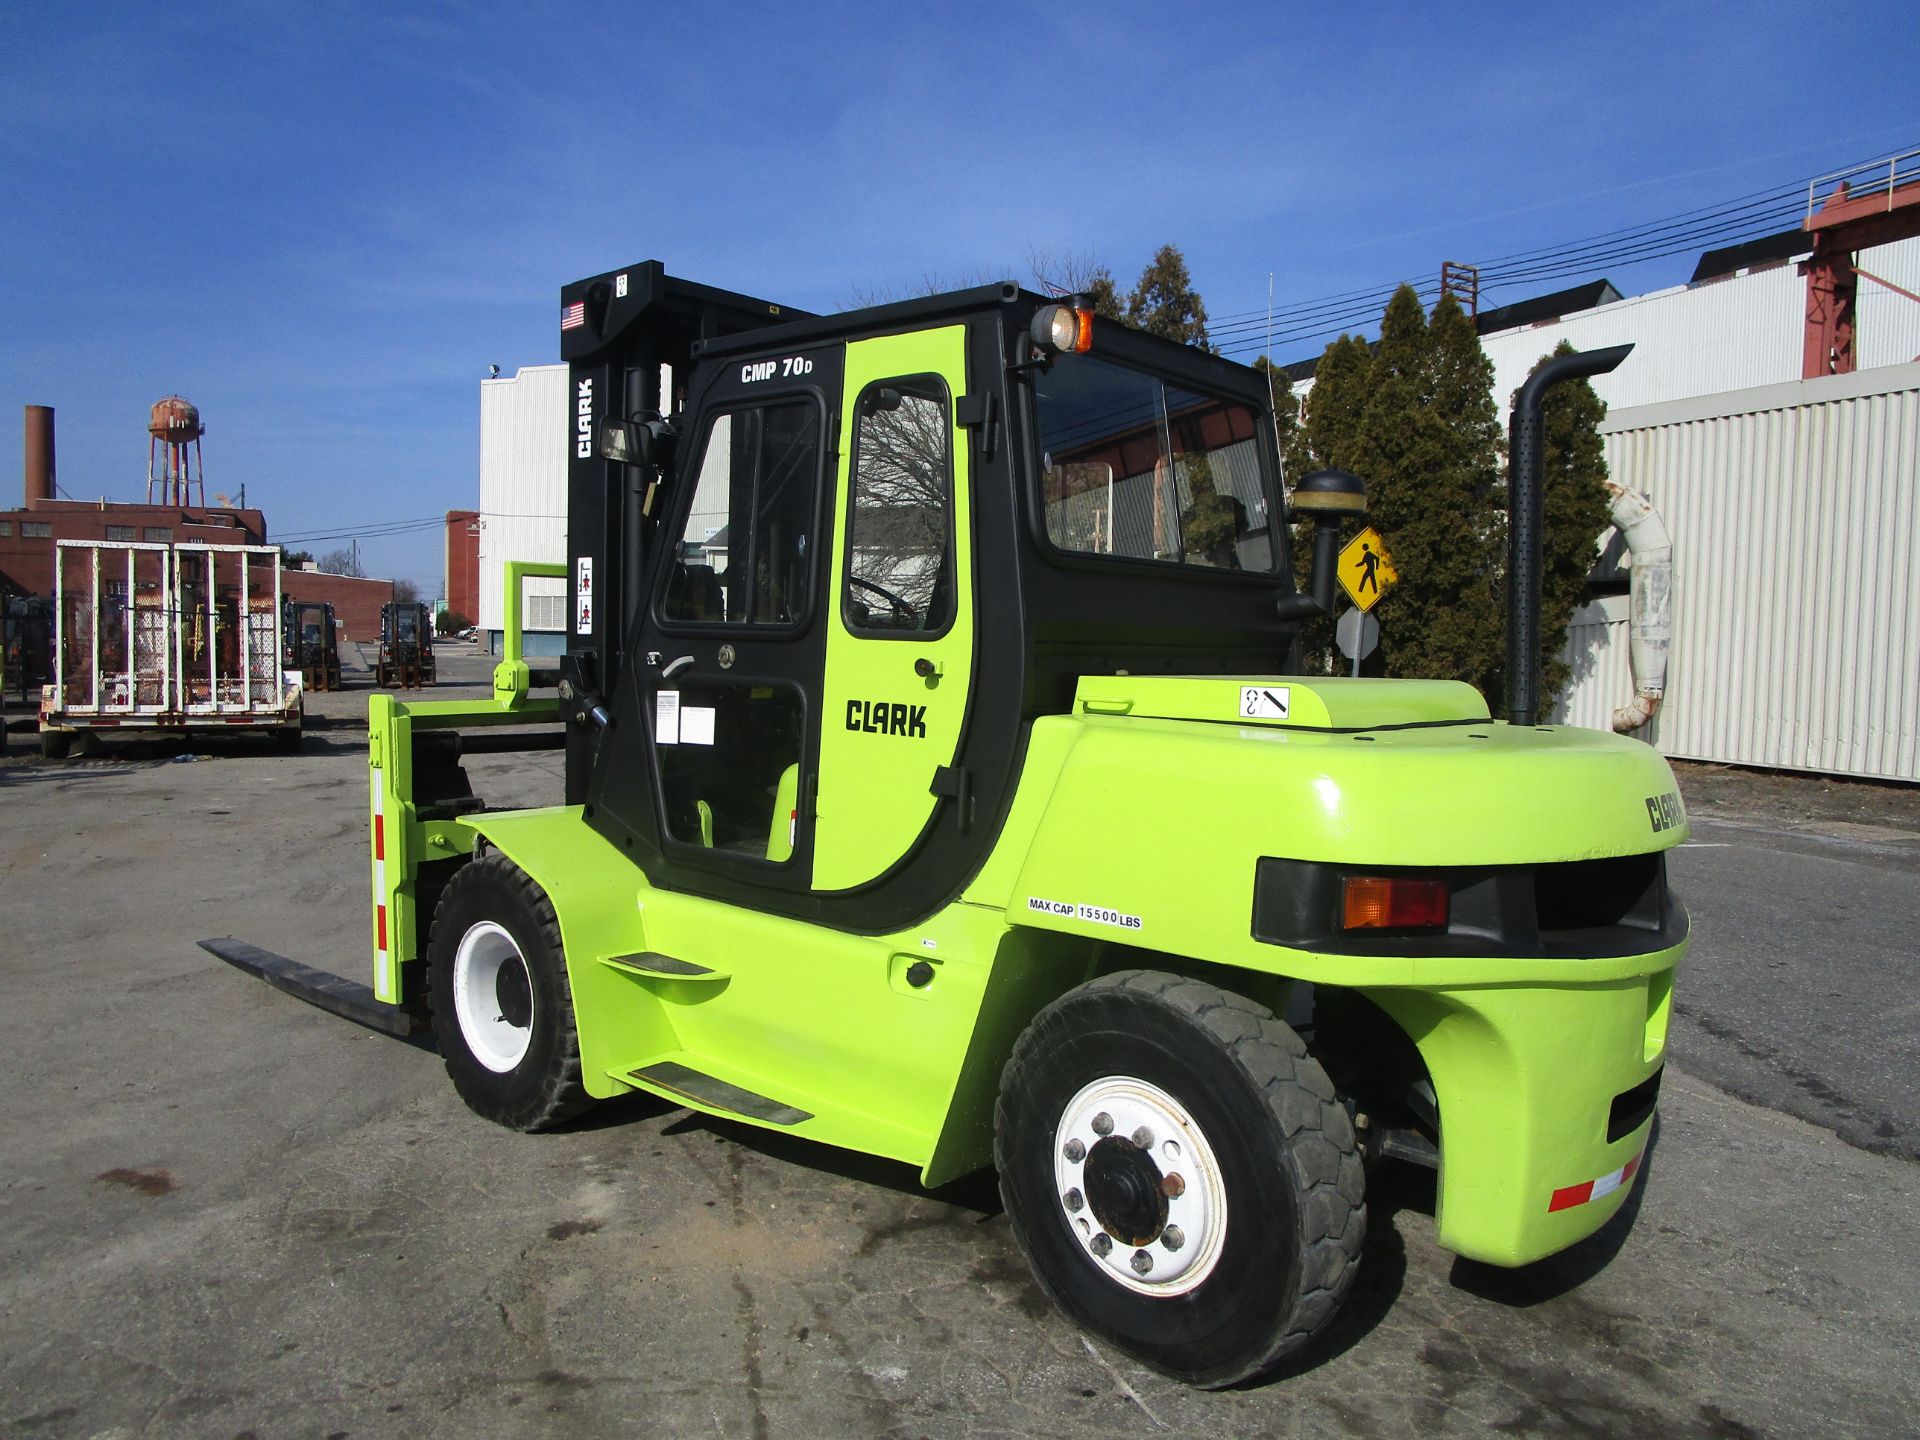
(1366, 570)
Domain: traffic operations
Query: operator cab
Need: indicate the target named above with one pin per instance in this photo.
(863, 553)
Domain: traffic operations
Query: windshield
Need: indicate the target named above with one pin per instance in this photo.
(406, 622)
(1135, 466)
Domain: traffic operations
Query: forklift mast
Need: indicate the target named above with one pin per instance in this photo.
(628, 339)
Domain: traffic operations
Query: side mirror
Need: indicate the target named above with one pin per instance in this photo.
(645, 442)
(628, 442)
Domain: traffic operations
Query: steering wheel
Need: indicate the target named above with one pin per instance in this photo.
(900, 607)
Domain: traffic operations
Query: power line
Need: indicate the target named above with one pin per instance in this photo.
(1743, 217)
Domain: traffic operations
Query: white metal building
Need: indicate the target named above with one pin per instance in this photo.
(524, 423)
(1796, 587)
(1733, 332)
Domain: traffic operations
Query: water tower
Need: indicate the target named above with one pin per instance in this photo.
(175, 427)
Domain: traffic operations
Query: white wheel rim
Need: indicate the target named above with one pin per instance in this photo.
(484, 951)
(1182, 1253)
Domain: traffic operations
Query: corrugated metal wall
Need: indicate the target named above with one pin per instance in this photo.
(1796, 596)
(524, 426)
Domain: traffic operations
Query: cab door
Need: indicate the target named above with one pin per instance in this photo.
(727, 655)
(899, 623)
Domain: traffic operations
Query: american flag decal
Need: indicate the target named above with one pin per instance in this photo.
(573, 316)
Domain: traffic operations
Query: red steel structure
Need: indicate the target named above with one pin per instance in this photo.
(1866, 208)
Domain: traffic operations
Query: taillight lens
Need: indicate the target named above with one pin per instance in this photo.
(1380, 902)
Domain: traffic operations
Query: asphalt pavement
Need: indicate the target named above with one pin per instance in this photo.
(224, 1213)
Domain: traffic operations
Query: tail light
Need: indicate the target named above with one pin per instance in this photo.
(1380, 902)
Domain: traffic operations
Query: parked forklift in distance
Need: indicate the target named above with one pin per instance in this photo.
(313, 645)
(406, 646)
(940, 784)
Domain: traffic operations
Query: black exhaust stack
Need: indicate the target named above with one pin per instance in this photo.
(1525, 498)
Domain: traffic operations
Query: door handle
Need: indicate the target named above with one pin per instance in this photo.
(675, 667)
(928, 669)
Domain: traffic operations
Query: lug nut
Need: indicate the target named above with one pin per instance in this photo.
(1075, 1152)
(1143, 1138)
(1173, 1237)
(1142, 1262)
(1101, 1245)
(1074, 1200)
(1103, 1124)
(1173, 1185)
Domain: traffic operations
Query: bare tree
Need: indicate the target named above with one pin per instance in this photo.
(341, 562)
(405, 591)
(900, 513)
(1077, 273)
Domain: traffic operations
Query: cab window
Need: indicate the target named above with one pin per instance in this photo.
(900, 510)
(744, 555)
(1133, 466)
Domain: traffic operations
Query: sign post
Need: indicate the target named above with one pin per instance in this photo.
(1357, 634)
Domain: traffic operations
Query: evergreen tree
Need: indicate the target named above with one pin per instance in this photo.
(1165, 303)
(1575, 514)
(1334, 406)
(1295, 456)
(1105, 294)
(1428, 448)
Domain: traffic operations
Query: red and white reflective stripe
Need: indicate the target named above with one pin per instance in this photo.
(1572, 1195)
(382, 962)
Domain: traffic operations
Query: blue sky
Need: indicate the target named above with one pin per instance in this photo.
(322, 223)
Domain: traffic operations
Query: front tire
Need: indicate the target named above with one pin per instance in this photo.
(502, 1006)
(1180, 1175)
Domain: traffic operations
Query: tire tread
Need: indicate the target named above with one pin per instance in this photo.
(563, 1092)
(1320, 1143)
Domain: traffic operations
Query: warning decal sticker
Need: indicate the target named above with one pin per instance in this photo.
(1264, 702)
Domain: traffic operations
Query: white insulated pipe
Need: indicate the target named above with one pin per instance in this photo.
(1650, 623)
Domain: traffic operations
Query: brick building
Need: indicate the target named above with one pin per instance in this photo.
(28, 535)
(463, 563)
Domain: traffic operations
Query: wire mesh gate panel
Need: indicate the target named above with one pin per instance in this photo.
(168, 633)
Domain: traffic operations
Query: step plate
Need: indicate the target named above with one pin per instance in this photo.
(671, 1075)
(649, 962)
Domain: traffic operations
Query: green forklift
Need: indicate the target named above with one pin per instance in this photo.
(940, 784)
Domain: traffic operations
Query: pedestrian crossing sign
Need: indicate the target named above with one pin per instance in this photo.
(1366, 570)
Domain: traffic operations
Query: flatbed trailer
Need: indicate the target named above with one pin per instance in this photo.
(179, 638)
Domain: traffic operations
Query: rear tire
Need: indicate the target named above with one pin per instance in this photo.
(501, 1004)
(1229, 1239)
(54, 744)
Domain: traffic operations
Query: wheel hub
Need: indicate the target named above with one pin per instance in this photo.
(1138, 1186)
(513, 993)
(493, 997)
(1123, 1191)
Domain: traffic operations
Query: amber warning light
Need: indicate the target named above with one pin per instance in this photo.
(1377, 902)
(1064, 329)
